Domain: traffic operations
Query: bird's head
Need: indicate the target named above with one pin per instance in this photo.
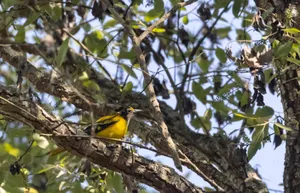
(129, 112)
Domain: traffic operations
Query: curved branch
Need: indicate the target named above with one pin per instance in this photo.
(159, 176)
(52, 84)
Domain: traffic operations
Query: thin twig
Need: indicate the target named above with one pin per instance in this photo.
(198, 171)
(165, 17)
(27, 150)
(198, 45)
(89, 52)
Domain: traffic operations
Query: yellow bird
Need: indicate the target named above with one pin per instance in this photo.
(110, 126)
(113, 126)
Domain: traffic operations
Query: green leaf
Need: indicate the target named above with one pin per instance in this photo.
(126, 55)
(220, 106)
(84, 76)
(242, 115)
(223, 32)
(129, 71)
(128, 87)
(11, 150)
(62, 52)
(237, 78)
(185, 20)
(96, 43)
(91, 85)
(292, 30)
(41, 141)
(156, 12)
(294, 61)
(87, 27)
(153, 14)
(283, 50)
(264, 113)
(208, 114)
(199, 92)
(159, 5)
(242, 35)
(259, 133)
(174, 2)
(296, 48)
(203, 122)
(20, 36)
(245, 98)
(253, 149)
(283, 137)
(7, 3)
(110, 23)
(56, 13)
(117, 183)
(159, 30)
(221, 55)
(204, 64)
(34, 16)
(276, 129)
(267, 12)
(221, 3)
(236, 7)
(225, 89)
(76, 187)
(277, 137)
(283, 127)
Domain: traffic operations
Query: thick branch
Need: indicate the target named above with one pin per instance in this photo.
(154, 174)
(52, 84)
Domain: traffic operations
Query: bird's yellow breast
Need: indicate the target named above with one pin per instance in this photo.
(117, 127)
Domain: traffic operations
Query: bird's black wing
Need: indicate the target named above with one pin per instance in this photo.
(98, 127)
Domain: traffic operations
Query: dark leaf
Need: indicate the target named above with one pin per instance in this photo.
(183, 36)
(236, 7)
(188, 105)
(199, 92)
(221, 55)
(204, 12)
(253, 149)
(160, 89)
(260, 100)
(277, 139)
(15, 168)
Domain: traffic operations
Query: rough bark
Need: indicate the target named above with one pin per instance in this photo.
(159, 176)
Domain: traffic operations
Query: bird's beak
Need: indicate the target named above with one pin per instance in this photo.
(137, 110)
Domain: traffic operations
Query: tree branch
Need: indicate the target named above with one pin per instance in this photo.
(195, 49)
(165, 17)
(159, 176)
(51, 84)
(154, 104)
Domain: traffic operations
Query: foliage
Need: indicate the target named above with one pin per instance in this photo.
(185, 53)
